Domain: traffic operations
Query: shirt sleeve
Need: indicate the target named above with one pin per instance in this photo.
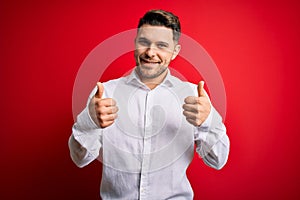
(212, 142)
(89, 137)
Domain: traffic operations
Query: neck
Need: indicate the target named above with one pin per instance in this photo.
(152, 83)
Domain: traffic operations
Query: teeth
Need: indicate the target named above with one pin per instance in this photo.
(151, 62)
(147, 61)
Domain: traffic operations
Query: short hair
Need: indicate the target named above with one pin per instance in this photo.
(162, 18)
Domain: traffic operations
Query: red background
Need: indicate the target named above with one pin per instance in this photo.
(254, 44)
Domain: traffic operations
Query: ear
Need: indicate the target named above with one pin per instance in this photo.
(176, 51)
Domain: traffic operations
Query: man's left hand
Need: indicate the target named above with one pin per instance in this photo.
(197, 109)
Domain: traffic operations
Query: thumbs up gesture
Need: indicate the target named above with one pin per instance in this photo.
(197, 109)
(103, 111)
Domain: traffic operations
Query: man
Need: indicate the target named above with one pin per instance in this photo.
(143, 127)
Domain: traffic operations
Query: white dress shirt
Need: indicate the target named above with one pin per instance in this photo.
(146, 151)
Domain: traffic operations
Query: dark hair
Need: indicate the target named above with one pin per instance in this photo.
(162, 18)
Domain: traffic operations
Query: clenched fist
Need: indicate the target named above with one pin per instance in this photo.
(103, 111)
(197, 109)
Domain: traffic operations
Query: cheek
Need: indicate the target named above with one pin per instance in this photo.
(166, 57)
(136, 54)
(139, 51)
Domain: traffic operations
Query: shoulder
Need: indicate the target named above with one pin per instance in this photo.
(183, 85)
(111, 84)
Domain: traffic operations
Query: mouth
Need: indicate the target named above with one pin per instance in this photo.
(149, 62)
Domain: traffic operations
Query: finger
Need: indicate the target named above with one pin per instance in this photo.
(201, 91)
(190, 115)
(190, 100)
(190, 108)
(100, 90)
(107, 110)
(106, 124)
(193, 122)
(108, 118)
(108, 102)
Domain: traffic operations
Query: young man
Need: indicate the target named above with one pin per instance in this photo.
(143, 127)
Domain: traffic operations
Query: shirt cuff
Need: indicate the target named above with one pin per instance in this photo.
(87, 133)
(85, 121)
(211, 129)
(202, 130)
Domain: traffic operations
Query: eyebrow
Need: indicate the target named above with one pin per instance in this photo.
(143, 38)
(159, 42)
(164, 43)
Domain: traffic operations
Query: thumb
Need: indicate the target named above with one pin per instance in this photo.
(100, 90)
(201, 91)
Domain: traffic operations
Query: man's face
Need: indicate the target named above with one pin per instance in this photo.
(154, 50)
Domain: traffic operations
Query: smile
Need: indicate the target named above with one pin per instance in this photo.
(144, 61)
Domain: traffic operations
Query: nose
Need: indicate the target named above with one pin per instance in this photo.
(151, 51)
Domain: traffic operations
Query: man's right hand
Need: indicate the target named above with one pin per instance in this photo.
(103, 111)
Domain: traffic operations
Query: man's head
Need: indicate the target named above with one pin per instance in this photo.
(156, 44)
(162, 18)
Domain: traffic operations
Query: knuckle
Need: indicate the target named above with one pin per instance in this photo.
(116, 108)
(116, 115)
(199, 108)
(102, 125)
(97, 104)
(102, 118)
(184, 106)
(101, 102)
(98, 113)
(113, 102)
(186, 100)
(197, 122)
(198, 100)
(185, 113)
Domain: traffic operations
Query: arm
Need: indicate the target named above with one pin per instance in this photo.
(212, 143)
(86, 139)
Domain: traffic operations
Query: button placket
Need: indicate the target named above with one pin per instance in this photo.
(146, 147)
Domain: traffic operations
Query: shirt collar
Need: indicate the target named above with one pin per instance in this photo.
(133, 78)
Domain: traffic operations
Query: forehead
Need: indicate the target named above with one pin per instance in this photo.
(155, 33)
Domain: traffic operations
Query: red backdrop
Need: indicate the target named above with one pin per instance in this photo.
(254, 44)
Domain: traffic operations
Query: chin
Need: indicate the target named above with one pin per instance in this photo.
(148, 73)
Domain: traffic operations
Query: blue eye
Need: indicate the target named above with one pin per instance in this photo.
(162, 45)
(143, 42)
